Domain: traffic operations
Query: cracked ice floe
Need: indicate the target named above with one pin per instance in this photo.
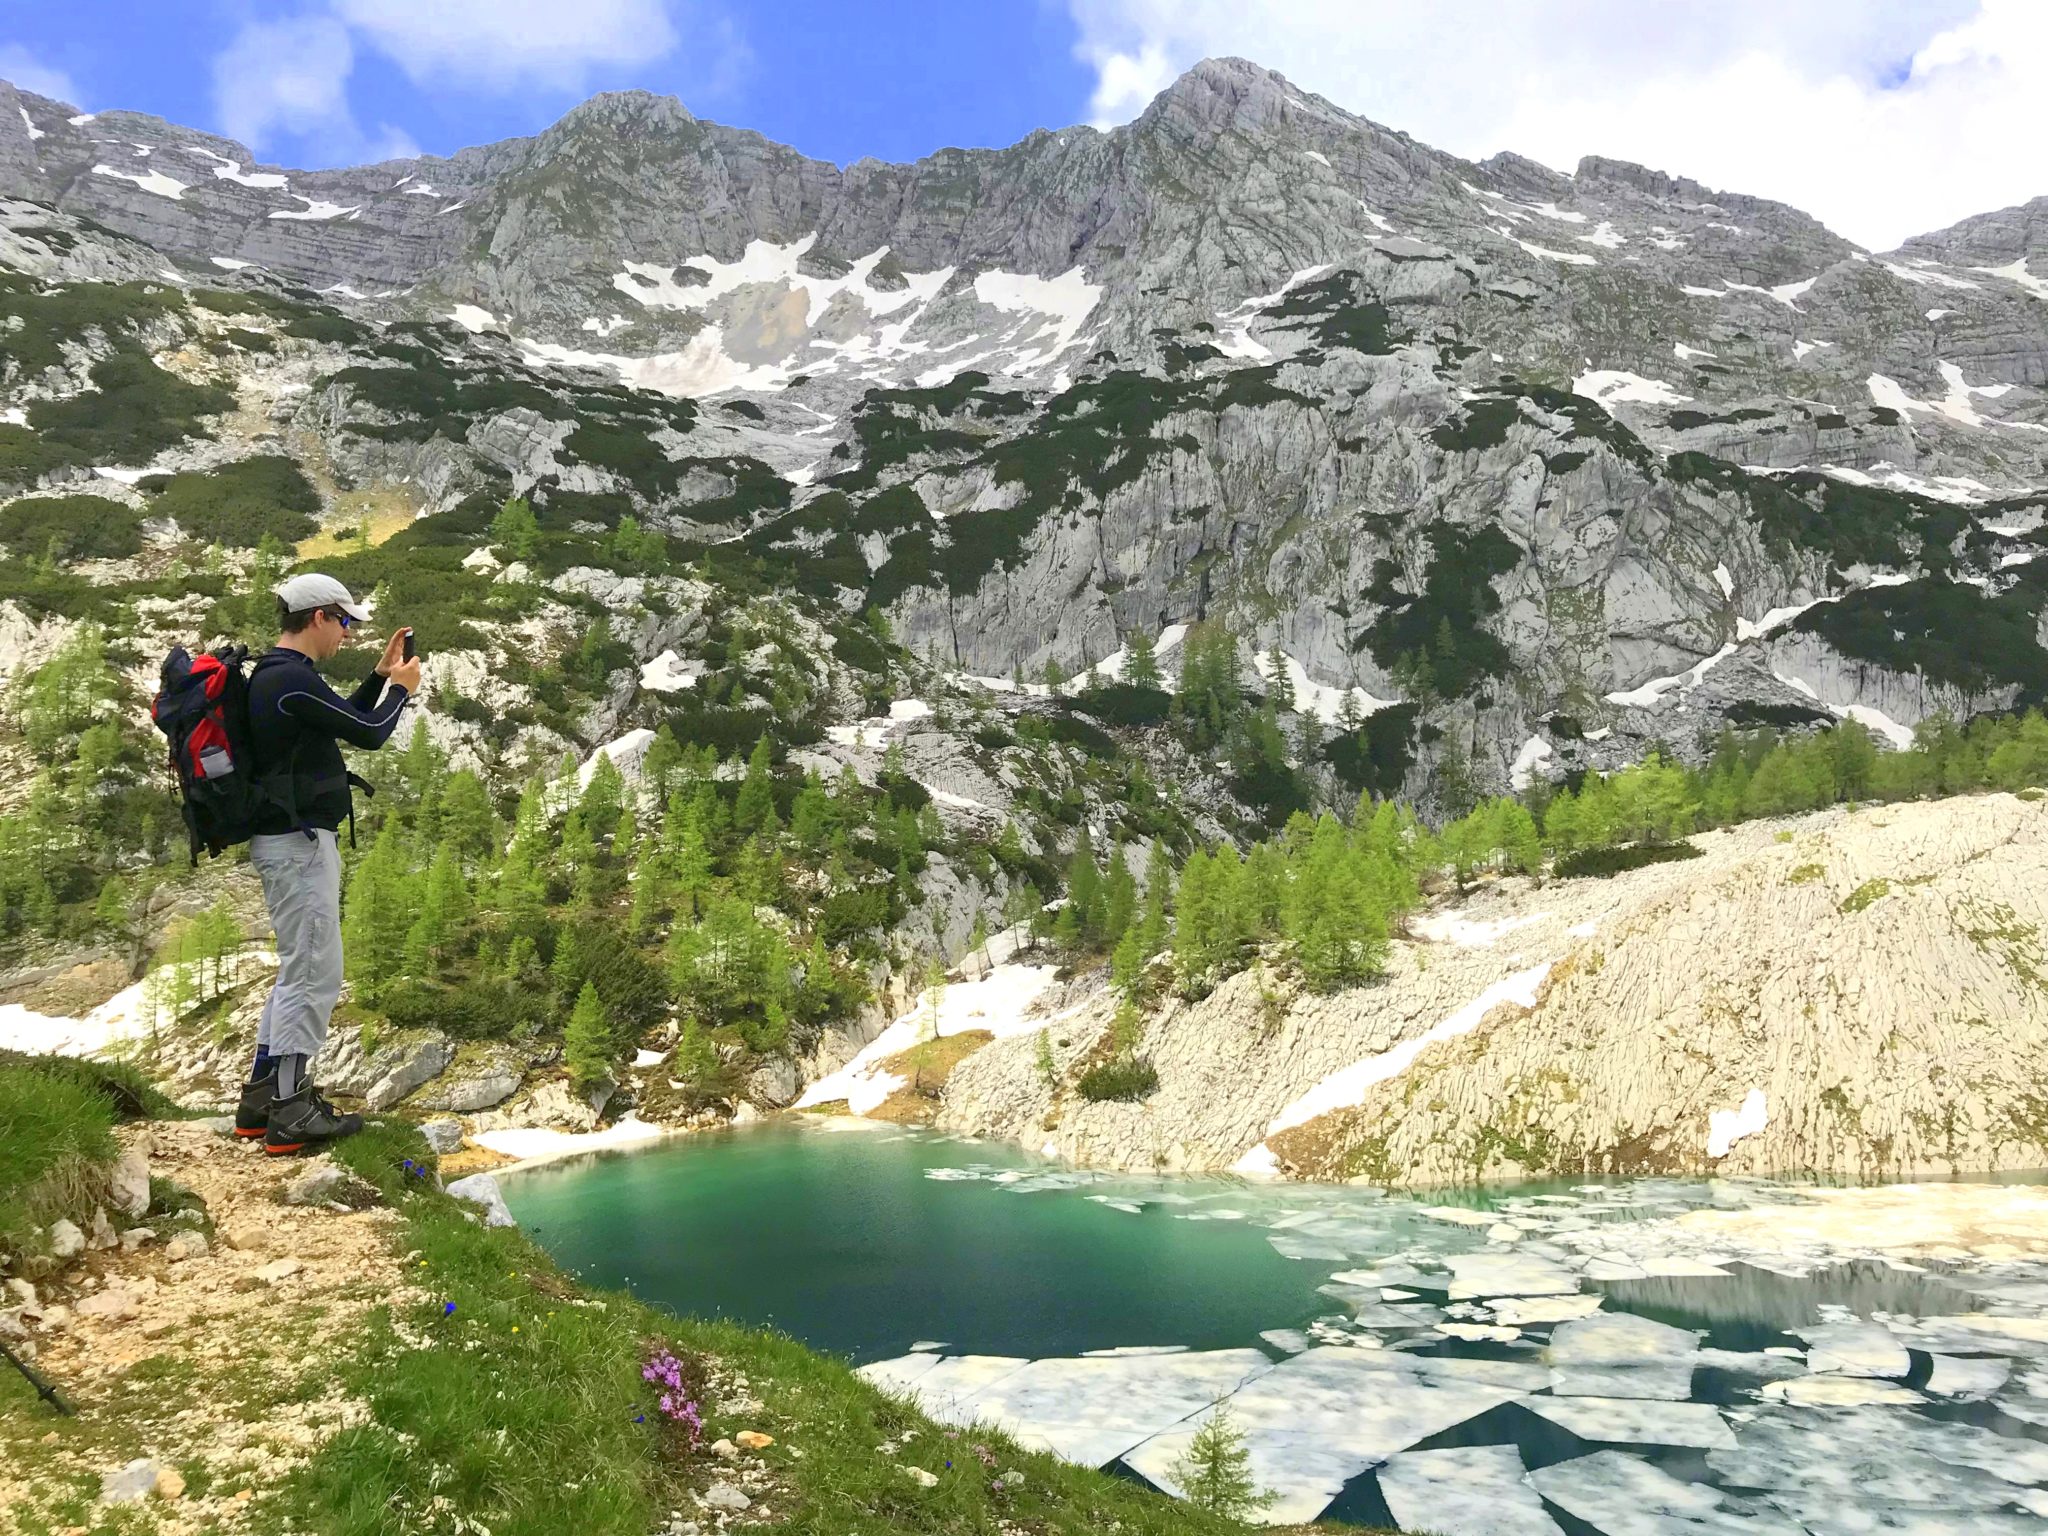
(1311, 697)
(1317, 1420)
(1652, 693)
(2017, 272)
(472, 319)
(669, 673)
(1608, 387)
(1522, 771)
(1879, 1458)
(231, 170)
(1636, 1421)
(153, 181)
(1855, 1349)
(1839, 1392)
(1618, 1354)
(1092, 1409)
(1725, 1127)
(1510, 1273)
(1000, 1002)
(1347, 1087)
(1471, 1491)
(1686, 354)
(316, 209)
(1622, 1495)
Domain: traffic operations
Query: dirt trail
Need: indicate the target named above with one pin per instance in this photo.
(216, 1364)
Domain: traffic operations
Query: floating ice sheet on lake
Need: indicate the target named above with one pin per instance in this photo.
(1636, 1421)
(1471, 1491)
(1622, 1495)
(1314, 1422)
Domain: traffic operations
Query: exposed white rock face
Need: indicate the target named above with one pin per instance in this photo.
(1836, 957)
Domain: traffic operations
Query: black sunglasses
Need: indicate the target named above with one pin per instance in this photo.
(338, 616)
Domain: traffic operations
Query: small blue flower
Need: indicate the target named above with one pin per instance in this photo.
(639, 1418)
(447, 1309)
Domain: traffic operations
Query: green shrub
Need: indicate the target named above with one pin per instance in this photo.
(1125, 703)
(631, 454)
(56, 1138)
(70, 528)
(136, 412)
(1601, 862)
(239, 503)
(1123, 1081)
(49, 321)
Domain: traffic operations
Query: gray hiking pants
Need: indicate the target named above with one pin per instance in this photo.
(302, 889)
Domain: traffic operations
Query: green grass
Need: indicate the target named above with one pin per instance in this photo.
(522, 1410)
(56, 1138)
(1601, 862)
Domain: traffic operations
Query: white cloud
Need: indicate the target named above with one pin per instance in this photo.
(286, 77)
(28, 73)
(1883, 118)
(499, 44)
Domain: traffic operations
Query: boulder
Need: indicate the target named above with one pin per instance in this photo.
(129, 1188)
(424, 1061)
(774, 1083)
(329, 1184)
(185, 1245)
(66, 1241)
(482, 1189)
(442, 1135)
(465, 1093)
(724, 1496)
(111, 1306)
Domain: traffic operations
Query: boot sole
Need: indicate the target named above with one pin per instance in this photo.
(286, 1150)
(248, 1135)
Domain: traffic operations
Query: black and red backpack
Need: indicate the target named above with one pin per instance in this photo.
(203, 707)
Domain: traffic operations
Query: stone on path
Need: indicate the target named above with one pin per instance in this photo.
(66, 1241)
(128, 1187)
(724, 1496)
(132, 1483)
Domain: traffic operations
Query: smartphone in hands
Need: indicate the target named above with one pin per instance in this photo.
(409, 652)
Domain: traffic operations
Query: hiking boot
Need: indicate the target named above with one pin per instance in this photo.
(305, 1122)
(252, 1115)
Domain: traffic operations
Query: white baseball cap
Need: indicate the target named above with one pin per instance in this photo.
(313, 590)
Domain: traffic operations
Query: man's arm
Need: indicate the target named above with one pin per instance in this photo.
(354, 720)
(364, 699)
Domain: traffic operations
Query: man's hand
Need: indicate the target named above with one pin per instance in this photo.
(394, 656)
(406, 675)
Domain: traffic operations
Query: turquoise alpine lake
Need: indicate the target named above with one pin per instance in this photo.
(1576, 1353)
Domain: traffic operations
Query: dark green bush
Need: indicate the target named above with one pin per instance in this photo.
(136, 412)
(1123, 1081)
(1601, 862)
(238, 503)
(70, 528)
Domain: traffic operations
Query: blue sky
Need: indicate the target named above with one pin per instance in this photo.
(1884, 118)
(837, 81)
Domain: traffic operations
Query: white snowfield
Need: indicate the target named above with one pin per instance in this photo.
(1725, 1127)
(1608, 387)
(1652, 692)
(627, 752)
(1310, 697)
(225, 169)
(1066, 301)
(120, 1020)
(668, 673)
(538, 1144)
(1522, 772)
(315, 209)
(1002, 1002)
(150, 181)
(472, 318)
(2016, 271)
(1955, 405)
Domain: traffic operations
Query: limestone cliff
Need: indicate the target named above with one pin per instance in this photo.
(1859, 995)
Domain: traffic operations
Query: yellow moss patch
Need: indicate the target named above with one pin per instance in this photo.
(360, 520)
(925, 1068)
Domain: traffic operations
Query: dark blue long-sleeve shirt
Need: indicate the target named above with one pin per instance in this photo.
(297, 725)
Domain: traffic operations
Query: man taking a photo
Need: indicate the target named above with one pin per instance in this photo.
(297, 726)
